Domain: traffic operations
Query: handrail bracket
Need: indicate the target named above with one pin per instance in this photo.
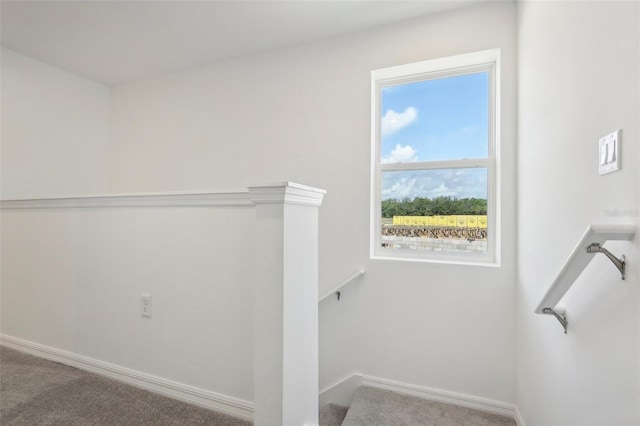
(620, 263)
(592, 240)
(560, 316)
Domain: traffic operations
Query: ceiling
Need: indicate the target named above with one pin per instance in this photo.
(118, 42)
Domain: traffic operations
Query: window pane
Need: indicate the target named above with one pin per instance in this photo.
(441, 210)
(433, 120)
(454, 183)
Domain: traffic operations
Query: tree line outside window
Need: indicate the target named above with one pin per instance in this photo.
(419, 206)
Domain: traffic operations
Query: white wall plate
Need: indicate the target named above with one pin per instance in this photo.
(609, 153)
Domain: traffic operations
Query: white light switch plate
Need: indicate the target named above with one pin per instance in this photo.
(609, 153)
(145, 305)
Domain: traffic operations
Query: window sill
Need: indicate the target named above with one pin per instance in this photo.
(444, 259)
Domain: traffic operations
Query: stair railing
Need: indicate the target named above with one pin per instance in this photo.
(591, 242)
(338, 290)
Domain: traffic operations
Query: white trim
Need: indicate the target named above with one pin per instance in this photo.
(440, 64)
(482, 61)
(471, 163)
(341, 392)
(282, 192)
(432, 394)
(167, 199)
(190, 394)
(287, 193)
(463, 259)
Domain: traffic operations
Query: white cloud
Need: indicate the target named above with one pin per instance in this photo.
(393, 121)
(467, 183)
(401, 154)
(399, 189)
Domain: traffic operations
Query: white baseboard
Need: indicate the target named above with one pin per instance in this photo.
(432, 394)
(341, 393)
(190, 394)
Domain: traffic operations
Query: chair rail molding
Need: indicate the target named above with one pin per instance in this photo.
(283, 192)
(160, 199)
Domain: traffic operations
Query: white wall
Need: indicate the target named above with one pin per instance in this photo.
(298, 114)
(578, 80)
(55, 131)
(303, 115)
(72, 279)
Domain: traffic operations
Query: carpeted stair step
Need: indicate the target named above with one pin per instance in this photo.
(332, 415)
(378, 407)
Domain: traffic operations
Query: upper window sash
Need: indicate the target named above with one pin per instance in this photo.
(387, 78)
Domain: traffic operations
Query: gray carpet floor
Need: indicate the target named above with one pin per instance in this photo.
(34, 391)
(379, 407)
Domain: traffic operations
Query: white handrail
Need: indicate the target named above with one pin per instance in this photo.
(577, 262)
(346, 282)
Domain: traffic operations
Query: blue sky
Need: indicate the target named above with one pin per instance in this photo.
(441, 119)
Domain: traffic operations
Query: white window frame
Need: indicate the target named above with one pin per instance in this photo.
(487, 60)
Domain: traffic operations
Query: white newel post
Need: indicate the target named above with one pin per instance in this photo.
(286, 304)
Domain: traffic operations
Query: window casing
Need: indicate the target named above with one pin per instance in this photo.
(475, 167)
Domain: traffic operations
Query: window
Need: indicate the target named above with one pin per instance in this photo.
(435, 134)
